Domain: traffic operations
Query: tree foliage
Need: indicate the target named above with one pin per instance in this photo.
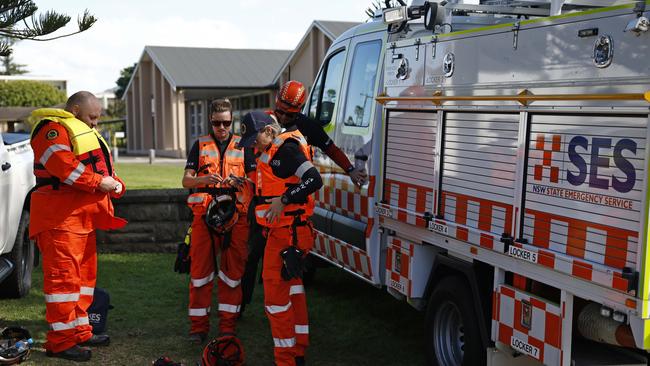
(19, 20)
(8, 64)
(123, 81)
(28, 93)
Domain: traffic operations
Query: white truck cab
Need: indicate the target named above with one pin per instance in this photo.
(17, 252)
(508, 194)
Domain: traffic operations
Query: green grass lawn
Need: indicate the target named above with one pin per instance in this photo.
(146, 176)
(351, 322)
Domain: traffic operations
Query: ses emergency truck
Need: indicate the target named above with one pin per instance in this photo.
(508, 196)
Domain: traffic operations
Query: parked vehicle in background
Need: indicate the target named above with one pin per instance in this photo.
(508, 194)
(17, 252)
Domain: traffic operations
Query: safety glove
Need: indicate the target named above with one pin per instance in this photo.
(182, 264)
(292, 263)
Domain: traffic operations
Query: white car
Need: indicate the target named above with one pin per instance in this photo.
(17, 252)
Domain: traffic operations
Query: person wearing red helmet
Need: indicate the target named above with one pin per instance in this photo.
(288, 103)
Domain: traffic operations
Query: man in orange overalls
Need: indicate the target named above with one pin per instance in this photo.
(75, 181)
(286, 181)
(215, 167)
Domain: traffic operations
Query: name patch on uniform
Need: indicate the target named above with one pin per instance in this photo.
(52, 134)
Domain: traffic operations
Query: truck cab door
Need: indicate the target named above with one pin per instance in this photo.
(322, 107)
(354, 135)
(5, 179)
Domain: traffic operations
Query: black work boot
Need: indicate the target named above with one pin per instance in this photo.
(97, 340)
(74, 353)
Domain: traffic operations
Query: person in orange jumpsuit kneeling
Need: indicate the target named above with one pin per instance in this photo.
(286, 181)
(75, 181)
(215, 167)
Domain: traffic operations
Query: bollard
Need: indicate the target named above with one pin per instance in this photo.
(152, 156)
(116, 154)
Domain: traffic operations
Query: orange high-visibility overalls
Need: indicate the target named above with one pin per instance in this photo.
(206, 245)
(284, 301)
(70, 160)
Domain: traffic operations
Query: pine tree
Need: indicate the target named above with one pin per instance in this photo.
(8, 64)
(18, 20)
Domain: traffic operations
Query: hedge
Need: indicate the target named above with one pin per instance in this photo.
(28, 93)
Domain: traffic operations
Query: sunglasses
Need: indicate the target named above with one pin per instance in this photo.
(225, 124)
(283, 113)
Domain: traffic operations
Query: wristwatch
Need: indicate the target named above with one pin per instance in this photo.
(284, 199)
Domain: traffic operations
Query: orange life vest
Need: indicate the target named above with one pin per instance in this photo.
(269, 185)
(87, 145)
(232, 163)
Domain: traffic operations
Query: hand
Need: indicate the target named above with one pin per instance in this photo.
(210, 179)
(275, 210)
(358, 176)
(234, 181)
(108, 184)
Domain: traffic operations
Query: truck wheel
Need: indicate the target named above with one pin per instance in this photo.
(452, 331)
(19, 283)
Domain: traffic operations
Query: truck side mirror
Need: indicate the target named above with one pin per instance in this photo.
(326, 110)
(430, 15)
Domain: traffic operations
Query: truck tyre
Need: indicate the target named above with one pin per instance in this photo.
(452, 332)
(19, 283)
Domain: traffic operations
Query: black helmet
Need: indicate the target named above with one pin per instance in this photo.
(12, 353)
(222, 214)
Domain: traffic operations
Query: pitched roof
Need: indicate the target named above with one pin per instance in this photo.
(191, 67)
(329, 28)
(334, 29)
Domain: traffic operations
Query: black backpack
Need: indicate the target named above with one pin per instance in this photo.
(98, 310)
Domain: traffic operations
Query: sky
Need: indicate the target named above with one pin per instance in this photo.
(92, 60)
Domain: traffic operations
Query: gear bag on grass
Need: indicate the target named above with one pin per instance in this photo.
(98, 310)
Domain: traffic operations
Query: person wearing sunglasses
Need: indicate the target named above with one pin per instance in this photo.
(215, 167)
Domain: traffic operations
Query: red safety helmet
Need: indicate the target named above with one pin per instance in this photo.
(223, 351)
(291, 97)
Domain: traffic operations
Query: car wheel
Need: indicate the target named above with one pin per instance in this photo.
(452, 332)
(19, 283)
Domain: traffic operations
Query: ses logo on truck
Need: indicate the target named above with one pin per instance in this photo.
(590, 169)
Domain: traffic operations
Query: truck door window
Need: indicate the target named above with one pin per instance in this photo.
(361, 86)
(326, 90)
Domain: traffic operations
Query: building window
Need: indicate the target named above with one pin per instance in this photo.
(266, 101)
(245, 103)
(197, 123)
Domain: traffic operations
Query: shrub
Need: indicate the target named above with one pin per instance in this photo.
(28, 93)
